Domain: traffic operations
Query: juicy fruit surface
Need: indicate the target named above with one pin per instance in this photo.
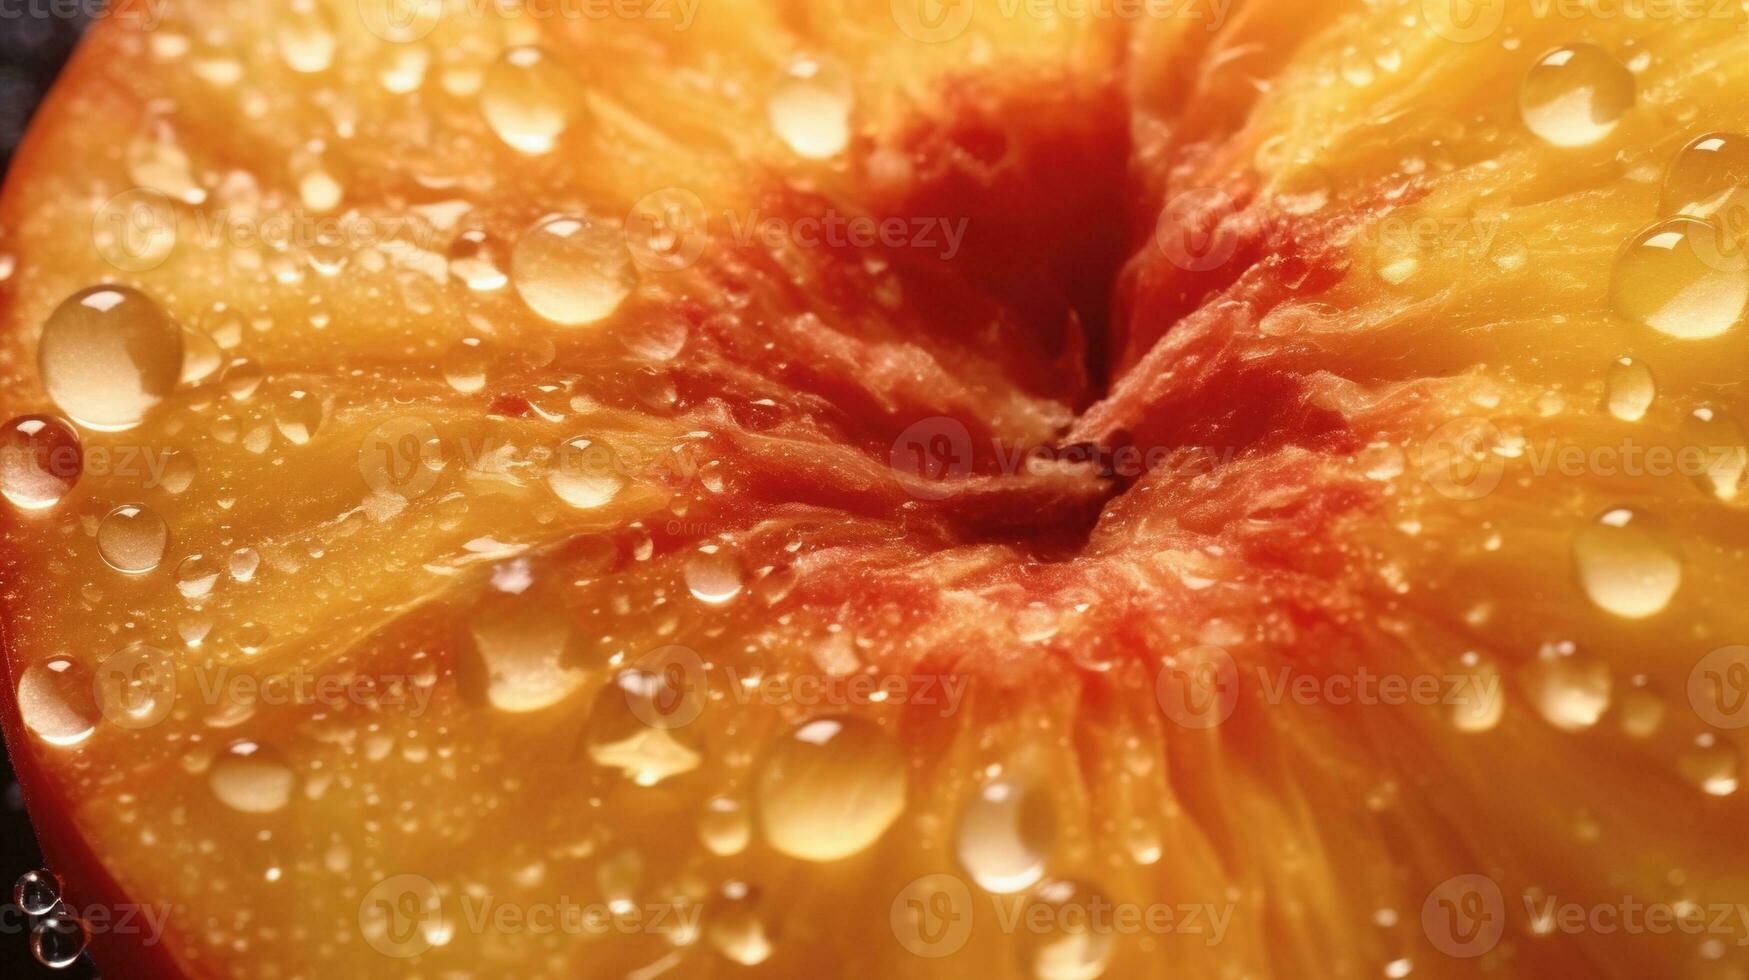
(512, 540)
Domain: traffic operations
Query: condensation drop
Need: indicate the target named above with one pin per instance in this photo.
(108, 355)
(830, 789)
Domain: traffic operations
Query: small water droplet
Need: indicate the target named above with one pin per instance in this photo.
(1712, 766)
(108, 355)
(573, 270)
(1677, 278)
(585, 474)
(641, 725)
(306, 36)
(735, 926)
(830, 788)
(297, 414)
(1006, 833)
(529, 99)
(810, 108)
(1629, 390)
(724, 826)
(477, 260)
(40, 461)
(1628, 563)
(243, 563)
(525, 643)
(251, 778)
(1478, 701)
(241, 380)
(1575, 95)
(196, 575)
(132, 539)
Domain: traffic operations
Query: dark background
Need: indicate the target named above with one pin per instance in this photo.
(32, 49)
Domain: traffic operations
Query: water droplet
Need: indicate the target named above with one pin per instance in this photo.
(526, 644)
(529, 99)
(641, 724)
(1575, 95)
(724, 827)
(251, 778)
(1712, 766)
(1006, 833)
(402, 67)
(108, 355)
(464, 366)
(241, 380)
(155, 161)
(1478, 702)
(40, 461)
(585, 474)
(1709, 178)
(1677, 279)
(1073, 946)
(735, 927)
(195, 576)
(58, 702)
(243, 563)
(1627, 563)
(810, 107)
(297, 415)
(656, 340)
(36, 892)
(573, 270)
(830, 789)
(201, 356)
(476, 258)
(132, 539)
(1629, 390)
(1723, 455)
(714, 574)
(1570, 689)
(306, 36)
(58, 939)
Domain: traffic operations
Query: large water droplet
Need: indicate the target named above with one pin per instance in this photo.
(251, 778)
(1678, 278)
(297, 414)
(1575, 95)
(1723, 459)
(526, 646)
(1570, 689)
(58, 939)
(642, 725)
(1006, 833)
(830, 789)
(132, 539)
(40, 461)
(1629, 390)
(58, 702)
(1709, 178)
(108, 355)
(714, 574)
(573, 270)
(36, 892)
(1627, 563)
(585, 474)
(810, 106)
(529, 99)
(1073, 945)
(735, 926)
